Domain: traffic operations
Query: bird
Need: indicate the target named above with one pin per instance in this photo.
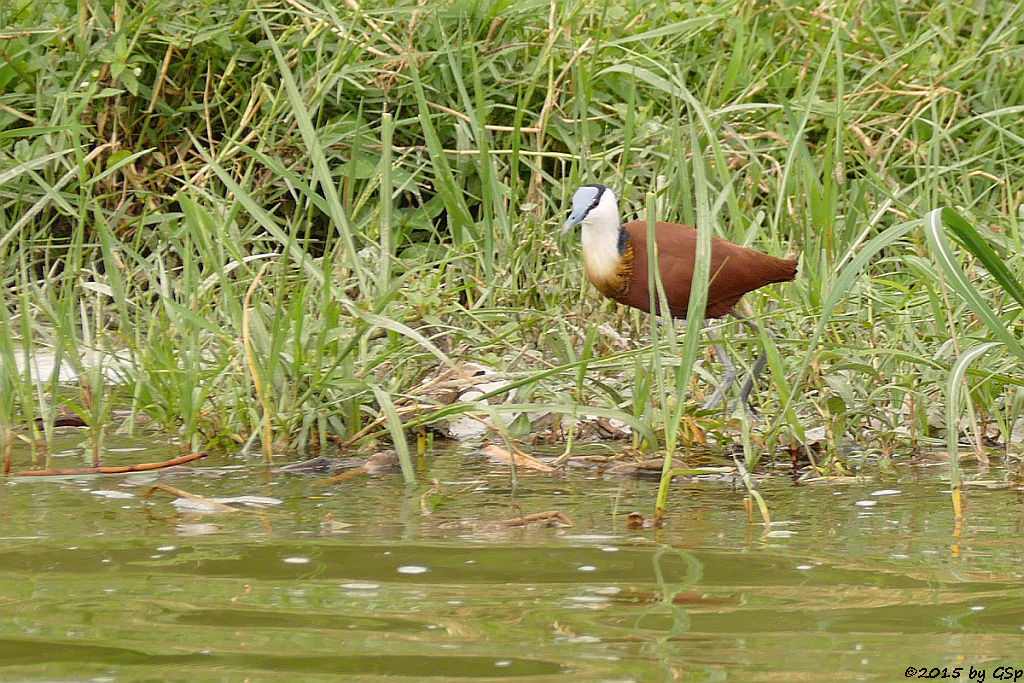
(616, 261)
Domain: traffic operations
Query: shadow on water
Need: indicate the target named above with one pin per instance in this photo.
(371, 579)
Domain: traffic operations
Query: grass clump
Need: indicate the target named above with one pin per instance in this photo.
(287, 219)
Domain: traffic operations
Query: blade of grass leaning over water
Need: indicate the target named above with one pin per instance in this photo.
(394, 425)
(955, 395)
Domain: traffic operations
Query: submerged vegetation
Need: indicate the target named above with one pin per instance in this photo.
(293, 223)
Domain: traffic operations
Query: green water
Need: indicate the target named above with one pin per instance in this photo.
(98, 582)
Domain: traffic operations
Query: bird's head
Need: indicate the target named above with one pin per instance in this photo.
(593, 205)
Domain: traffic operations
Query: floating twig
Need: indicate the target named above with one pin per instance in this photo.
(141, 467)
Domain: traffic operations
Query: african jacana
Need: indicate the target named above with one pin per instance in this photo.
(615, 258)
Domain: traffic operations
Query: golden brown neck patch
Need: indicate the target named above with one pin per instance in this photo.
(613, 282)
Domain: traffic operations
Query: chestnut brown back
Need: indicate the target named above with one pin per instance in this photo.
(735, 270)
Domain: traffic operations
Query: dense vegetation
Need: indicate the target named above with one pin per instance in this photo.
(285, 220)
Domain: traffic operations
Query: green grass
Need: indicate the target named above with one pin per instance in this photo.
(397, 173)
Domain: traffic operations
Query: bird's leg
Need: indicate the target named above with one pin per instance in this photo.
(748, 385)
(759, 364)
(729, 372)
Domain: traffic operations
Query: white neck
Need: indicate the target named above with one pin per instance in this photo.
(600, 237)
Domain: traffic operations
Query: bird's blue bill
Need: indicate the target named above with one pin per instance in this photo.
(582, 202)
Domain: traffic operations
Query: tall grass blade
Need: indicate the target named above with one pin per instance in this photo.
(460, 221)
(698, 297)
(958, 281)
(975, 243)
(315, 153)
(386, 213)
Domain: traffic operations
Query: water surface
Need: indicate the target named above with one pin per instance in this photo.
(371, 579)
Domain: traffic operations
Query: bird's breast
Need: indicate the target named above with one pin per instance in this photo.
(610, 272)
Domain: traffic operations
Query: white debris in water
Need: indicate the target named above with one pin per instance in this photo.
(583, 639)
(886, 492)
(589, 599)
(412, 569)
(196, 505)
(360, 586)
(298, 559)
(108, 493)
(193, 505)
(589, 538)
(588, 568)
(866, 503)
(189, 529)
(780, 533)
